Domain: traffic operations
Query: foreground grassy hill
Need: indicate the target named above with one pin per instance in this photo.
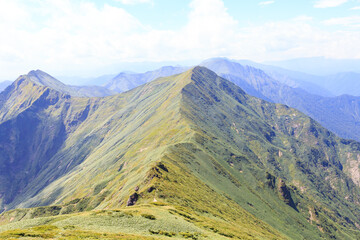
(187, 156)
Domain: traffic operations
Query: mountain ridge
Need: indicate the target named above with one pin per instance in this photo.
(232, 164)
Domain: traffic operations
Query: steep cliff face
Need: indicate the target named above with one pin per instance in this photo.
(35, 123)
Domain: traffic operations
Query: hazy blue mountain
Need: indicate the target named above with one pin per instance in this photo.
(253, 80)
(342, 83)
(319, 65)
(4, 85)
(310, 83)
(125, 81)
(339, 114)
(327, 86)
(86, 81)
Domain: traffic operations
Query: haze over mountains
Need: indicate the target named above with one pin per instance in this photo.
(4, 84)
(343, 79)
(125, 81)
(343, 83)
(190, 154)
(319, 65)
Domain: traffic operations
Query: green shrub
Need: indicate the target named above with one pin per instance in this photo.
(189, 235)
(161, 232)
(148, 216)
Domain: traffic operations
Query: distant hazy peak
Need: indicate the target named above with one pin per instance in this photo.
(229, 69)
(125, 81)
(195, 71)
(159, 70)
(224, 65)
(167, 67)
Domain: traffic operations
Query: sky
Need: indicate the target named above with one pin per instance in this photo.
(90, 38)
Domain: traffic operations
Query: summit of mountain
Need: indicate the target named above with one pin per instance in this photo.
(41, 78)
(186, 155)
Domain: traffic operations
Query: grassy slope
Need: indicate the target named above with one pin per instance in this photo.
(251, 140)
(209, 154)
(127, 156)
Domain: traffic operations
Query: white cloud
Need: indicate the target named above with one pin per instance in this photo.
(66, 37)
(72, 35)
(133, 2)
(266, 3)
(303, 18)
(329, 3)
(355, 8)
(352, 21)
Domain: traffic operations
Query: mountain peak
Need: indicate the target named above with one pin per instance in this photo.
(200, 73)
(37, 72)
(43, 79)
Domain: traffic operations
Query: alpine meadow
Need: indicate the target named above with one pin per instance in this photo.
(194, 119)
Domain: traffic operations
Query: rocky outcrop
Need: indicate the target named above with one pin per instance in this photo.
(285, 194)
(132, 199)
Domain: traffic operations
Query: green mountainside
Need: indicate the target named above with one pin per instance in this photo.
(186, 156)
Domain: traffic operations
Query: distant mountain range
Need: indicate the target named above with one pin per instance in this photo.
(345, 83)
(189, 156)
(310, 83)
(326, 86)
(339, 114)
(125, 81)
